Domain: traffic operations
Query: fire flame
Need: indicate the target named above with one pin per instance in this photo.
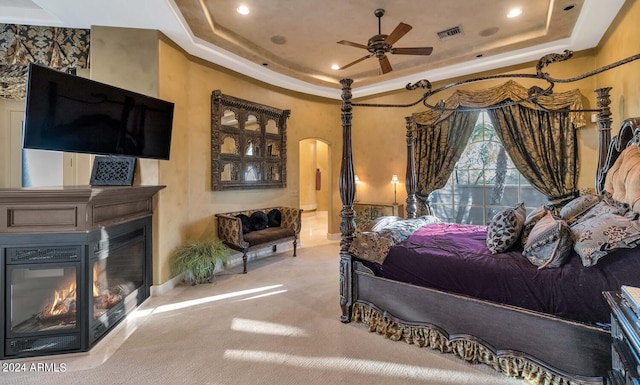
(96, 290)
(62, 300)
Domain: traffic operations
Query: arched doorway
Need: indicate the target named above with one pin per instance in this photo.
(315, 188)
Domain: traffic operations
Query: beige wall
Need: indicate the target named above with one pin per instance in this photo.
(189, 83)
(621, 41)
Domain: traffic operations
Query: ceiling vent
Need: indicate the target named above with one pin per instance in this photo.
(450, 33)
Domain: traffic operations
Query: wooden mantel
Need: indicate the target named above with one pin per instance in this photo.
(72, 208)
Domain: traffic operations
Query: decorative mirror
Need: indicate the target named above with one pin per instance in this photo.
(248, 144)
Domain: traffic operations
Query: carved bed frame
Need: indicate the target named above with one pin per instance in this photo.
(537, 347)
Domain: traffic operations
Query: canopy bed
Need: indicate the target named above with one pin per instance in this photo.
(551, 328)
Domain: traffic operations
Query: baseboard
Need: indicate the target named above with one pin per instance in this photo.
(162, 289)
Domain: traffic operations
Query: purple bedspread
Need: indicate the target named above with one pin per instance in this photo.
(455, 258)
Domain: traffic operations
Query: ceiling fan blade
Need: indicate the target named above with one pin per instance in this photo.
(412, 51)
(355, 62)
(352, 44)
(397, 33)
(385, 65)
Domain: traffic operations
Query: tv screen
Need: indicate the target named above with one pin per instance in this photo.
(69, 113)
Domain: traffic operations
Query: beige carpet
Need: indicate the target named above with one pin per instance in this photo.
(278, 324)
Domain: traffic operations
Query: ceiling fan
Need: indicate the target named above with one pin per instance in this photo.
(380, 44)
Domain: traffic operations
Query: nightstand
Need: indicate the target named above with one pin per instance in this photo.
(368, 212)
(625, 344)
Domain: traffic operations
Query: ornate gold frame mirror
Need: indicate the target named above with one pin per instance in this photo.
(248, 144)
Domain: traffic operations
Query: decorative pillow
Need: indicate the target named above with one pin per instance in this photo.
(259, 221)
(505, 228)
(274, 218)
(400, 230)
(531, 221)
(549, 243)
(374, 245)
(246, 223)
(607, 205)
(573, 210)
(600, 235)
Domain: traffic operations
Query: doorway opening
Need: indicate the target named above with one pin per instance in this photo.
(315, 188)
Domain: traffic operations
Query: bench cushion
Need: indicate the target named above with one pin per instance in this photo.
(268, 235)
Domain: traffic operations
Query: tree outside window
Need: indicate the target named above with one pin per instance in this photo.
(484, 181)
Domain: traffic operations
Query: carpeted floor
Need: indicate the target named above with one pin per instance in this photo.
(278, 324)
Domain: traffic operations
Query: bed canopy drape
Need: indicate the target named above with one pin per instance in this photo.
(538, 134)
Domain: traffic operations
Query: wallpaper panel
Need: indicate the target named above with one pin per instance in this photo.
(64, 49)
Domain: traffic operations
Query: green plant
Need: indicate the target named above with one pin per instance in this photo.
(197, 259)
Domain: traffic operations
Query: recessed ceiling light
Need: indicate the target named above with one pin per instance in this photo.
(514, 12)
(243, 10)
(335, 67)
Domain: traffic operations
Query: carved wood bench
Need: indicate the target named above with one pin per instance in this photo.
(235, 229)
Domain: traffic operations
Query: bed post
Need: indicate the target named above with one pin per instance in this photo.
(347, 194)
(410, 178)
(604, 138)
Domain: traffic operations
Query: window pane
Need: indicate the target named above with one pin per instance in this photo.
(483, 182)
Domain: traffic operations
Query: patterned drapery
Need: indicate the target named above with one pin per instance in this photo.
(542, 146)
(59, 48)
(510, 90)
(520, 123)
(438, 148)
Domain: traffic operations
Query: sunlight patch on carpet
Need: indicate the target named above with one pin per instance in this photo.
(219, 297)
(270, 328)
(263, 295)
(361, 366)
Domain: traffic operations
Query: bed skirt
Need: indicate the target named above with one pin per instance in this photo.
(468, 348)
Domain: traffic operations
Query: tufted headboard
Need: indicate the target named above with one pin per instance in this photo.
(622, 179)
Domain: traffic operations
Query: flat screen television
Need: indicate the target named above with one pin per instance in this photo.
(70, 113)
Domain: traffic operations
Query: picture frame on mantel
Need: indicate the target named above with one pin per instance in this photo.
(248, 144)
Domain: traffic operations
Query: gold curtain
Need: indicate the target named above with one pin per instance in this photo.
(551, 169)
(59, 48)
(437, 150)
(510, 90)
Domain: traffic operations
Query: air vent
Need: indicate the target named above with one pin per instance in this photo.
(450, 33)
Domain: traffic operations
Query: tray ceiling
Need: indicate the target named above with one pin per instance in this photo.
(293, 43)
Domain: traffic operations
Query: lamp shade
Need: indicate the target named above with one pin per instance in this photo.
(394, 179)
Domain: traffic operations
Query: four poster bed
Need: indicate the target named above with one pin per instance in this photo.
(439, 285)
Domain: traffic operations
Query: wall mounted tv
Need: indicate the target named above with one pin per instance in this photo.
(69, 113)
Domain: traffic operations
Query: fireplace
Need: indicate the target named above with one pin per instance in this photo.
(118, 281)
(63, 292)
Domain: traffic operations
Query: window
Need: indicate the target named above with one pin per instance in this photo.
(484, 181)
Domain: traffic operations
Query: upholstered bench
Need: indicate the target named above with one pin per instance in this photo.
(250, 230)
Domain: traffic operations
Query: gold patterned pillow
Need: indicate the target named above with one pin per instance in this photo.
(549, 243)
(531, 221)
(505, 228)
(575, 209)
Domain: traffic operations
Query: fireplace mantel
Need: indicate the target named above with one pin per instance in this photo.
(72, 208)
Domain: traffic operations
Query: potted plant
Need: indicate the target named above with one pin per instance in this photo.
(197, 259)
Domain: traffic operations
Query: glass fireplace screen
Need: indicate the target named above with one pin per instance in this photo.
(43, 298)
